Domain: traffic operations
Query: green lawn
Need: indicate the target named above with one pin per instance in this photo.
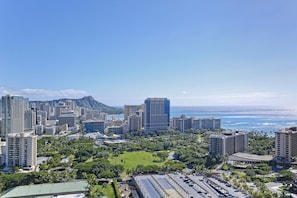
(131, 159)
(107, 191)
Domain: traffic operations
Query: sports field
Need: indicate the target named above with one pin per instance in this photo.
(131, 159)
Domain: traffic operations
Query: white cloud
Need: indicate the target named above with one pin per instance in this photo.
(184, 92)
(44, 94)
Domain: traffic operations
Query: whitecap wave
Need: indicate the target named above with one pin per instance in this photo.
(236, 123)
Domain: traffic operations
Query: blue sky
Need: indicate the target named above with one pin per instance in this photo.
(121, 52)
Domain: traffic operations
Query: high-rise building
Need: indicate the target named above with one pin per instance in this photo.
(140, 113)
(131, 109)
(157, 114)
(206, 123)
(13, 110)
(59, 109)
(21, 144)
(67, 119)
(21, 150)
(286, 144)
(217, 144)
(134, 122)
(181, 123)
(228, 143)
(43, 117)
(30, 119)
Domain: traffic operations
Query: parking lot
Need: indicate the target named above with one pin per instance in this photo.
(180, 185)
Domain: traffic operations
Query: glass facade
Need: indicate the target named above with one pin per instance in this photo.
(157, 114)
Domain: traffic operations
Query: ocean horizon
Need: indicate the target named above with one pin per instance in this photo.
(248, 118)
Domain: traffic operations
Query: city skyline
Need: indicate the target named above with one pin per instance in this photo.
(193, 53)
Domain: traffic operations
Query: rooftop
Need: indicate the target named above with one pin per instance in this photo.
(249, 157)
(47, 189)
(183, 185)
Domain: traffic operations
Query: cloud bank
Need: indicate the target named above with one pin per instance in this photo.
(44, 94)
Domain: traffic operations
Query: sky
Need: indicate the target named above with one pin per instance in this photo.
(121, 52)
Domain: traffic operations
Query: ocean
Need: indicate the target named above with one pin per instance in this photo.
(267, 119)
(248, 118)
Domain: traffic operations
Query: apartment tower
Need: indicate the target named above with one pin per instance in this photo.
(21, 150)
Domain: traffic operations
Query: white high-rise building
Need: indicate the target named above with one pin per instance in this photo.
(157, 114)
(21, 150)
(13, 110)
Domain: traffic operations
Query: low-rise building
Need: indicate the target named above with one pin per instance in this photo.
(114, 129)
(90, 126)
(73, 137)
(39, 129)
(2, 152)
(179, 185)
(50, 130)
(76, 189)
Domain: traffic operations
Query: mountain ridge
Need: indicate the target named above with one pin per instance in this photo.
(87, 102)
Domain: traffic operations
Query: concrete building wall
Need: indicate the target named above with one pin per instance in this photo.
(286, 144)
(30, 119)
(217, 145)
(21, 150)
(130, 110)
(183, 124)
(206, 123)
(134, 123)
(67, 119)
(228, 143)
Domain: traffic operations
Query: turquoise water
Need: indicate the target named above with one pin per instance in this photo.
(268, 119)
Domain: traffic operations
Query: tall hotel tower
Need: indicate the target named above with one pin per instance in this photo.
(13, 109)
(21, 144)
(157, 114)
